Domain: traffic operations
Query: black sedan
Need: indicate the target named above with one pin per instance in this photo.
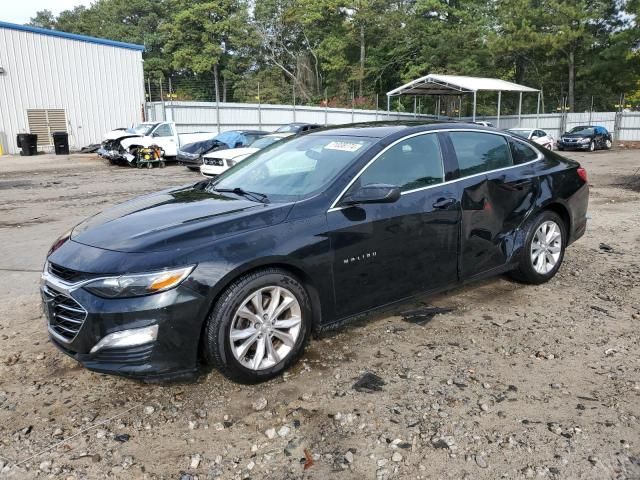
(191, 154)
(298, 127)
(585, 137)
(313, 231)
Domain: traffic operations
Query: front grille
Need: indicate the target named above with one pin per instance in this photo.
(67, 274)
(66, 316)
(217, 162)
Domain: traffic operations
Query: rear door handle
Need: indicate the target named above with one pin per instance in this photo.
(443, 203)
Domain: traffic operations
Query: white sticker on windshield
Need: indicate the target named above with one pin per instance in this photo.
(343, 146)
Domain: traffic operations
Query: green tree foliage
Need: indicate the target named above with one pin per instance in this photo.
(347, 51)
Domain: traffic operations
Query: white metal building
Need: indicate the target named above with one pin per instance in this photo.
(53, 81)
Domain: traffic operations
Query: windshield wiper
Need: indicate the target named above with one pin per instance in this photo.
(260, 197)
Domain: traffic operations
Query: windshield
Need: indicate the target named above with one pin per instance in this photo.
(521, 133)
(264, 142)
(293, 169)
(143, 128)
(582, 130)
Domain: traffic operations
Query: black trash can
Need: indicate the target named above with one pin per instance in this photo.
(28, 142)
(61, 142)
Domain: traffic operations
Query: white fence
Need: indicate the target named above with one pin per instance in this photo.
(208, 117)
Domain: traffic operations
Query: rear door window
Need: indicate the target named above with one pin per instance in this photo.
(479, 152)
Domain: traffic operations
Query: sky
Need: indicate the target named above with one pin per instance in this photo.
(21, 11)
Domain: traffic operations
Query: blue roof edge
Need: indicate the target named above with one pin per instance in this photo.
(71, 36)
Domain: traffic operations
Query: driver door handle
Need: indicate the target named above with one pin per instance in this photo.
(443, 203)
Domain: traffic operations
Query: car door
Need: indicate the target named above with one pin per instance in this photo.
(495, 196)
(388, 251)
(165, 136)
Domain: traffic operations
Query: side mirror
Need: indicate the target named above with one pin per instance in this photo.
(534, 137)
(376, 193)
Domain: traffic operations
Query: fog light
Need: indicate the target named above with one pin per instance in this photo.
(127, 338)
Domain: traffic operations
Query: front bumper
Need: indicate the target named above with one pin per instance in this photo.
(188, 160)
(573, 145)
(178, 313)
(213, 170)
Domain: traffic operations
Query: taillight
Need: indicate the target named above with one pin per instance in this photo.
(582, 173)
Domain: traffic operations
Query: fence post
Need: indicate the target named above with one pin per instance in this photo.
(294, 102)
(376, 107)
(259, 109)
(352, 102)
(326, 106)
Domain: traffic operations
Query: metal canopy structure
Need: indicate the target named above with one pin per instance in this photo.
(439, 85)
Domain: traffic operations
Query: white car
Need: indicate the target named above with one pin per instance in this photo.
(215, 163)
(121, 144)
(535, 135)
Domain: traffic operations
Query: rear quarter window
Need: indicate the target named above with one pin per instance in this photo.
(522, 153)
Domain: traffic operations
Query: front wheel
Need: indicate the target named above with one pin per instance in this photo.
(259, 326)
(608, 144)
(544, 247)
(592, 146)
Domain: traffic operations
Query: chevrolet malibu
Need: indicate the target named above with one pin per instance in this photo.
(310, 232)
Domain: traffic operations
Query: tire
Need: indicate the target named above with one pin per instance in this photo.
(237, 359)
(608, 144)
(592, 146)
(162, 164)
(149, 165)
(530, 269)
(139, 165)
(194, 169)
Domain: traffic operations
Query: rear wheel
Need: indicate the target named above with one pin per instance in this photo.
(544, 247)
(259, 327)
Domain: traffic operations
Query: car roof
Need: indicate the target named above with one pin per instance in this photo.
(385, 128)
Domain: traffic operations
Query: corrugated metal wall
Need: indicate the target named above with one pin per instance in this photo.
(203, 117)
(100, 87)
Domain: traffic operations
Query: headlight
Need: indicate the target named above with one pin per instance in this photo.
(138, 285)
(584, 140)
(231, 163)
(59, 242)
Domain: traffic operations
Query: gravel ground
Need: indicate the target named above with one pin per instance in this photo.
(516, 382)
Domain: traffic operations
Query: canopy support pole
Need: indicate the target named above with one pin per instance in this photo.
(538, 111)
(438, 115)
(520, 109)
(499, 101)
(475, 98)
(388, 105)
(415, 102)
(460, 107)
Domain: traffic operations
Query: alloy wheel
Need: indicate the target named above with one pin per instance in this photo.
(265, 327)
(546, 247)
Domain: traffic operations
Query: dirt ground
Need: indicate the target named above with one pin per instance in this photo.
(517, 382)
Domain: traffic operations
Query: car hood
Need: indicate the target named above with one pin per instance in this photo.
(231, 153)
(177, 219)
(120, 133)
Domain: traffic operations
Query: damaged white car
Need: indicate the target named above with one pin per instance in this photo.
(120, 146)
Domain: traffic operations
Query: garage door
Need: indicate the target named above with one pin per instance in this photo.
(43, 122)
